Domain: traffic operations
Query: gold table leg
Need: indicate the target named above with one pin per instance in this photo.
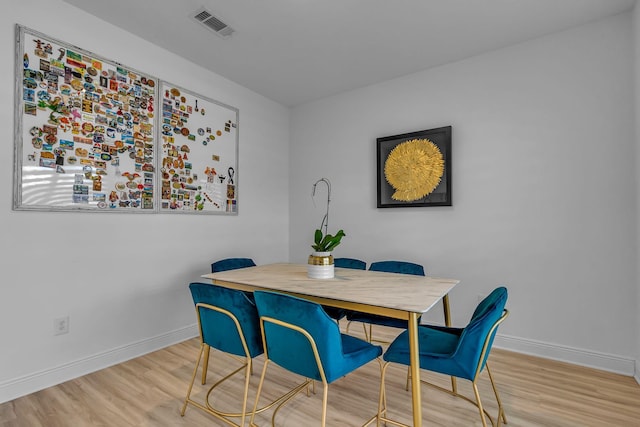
(447, 322)
(415, 369)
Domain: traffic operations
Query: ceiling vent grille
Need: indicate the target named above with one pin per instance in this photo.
(214, 24)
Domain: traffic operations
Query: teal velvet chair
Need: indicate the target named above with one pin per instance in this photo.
(227, 264)
(356, 264)
(300, 337)
(228, 322)
(458, 352)
(402, 267)
(231, 264)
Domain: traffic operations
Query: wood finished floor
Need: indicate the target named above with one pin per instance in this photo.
(149, 391)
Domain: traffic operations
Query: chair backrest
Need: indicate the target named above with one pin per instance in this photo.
(231, 264)
(356, 264)
(226, 316)
(290, 348)
(403, 267)
(477, 337)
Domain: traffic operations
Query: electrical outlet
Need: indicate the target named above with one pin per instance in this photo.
(61, 325)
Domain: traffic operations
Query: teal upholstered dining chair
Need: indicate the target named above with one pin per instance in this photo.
(300, 337)
(227, 264)
(353, 263)
(231, 264)
(228, 322)
(458, 352)
(403, 267)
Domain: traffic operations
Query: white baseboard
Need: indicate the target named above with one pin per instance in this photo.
(31, 383)
(576, 356)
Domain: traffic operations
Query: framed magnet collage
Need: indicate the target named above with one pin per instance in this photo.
(93, 135)
(199, 153)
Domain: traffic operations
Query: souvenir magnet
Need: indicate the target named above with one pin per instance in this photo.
(35, 131)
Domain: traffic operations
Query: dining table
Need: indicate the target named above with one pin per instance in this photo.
(400, 296)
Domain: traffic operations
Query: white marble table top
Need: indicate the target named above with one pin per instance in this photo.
(388, 293)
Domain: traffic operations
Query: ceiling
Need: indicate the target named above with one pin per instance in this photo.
(296, 51)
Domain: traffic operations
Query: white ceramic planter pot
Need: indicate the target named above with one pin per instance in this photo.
(320, 266)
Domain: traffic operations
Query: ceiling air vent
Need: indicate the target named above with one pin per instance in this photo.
(214, 24)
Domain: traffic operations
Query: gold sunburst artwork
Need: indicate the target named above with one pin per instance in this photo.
(414, 169)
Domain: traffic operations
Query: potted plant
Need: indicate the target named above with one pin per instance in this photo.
(320, 264)
(320, 261)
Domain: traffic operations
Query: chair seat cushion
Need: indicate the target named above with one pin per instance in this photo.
(356, 352)
(437, 348)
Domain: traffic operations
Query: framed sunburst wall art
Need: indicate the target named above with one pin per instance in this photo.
(414, 169)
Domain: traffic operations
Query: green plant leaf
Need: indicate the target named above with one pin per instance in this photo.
(317, 238)
(328, 242)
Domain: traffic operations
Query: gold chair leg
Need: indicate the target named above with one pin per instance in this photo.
(193, 378)
(325, 395)
(247, 375)
(477, 393)
(367, 336)
(255, 405)
(406, 387)
(501, 415)
(205, 364)
(454, 384)
(204, 355)
(382, 400)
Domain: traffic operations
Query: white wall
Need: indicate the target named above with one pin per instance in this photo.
(544, 191)
(636, 39)
(122, 278)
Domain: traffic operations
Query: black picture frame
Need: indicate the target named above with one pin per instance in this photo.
(441, 195)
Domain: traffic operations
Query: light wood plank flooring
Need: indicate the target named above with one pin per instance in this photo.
(149, 391)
